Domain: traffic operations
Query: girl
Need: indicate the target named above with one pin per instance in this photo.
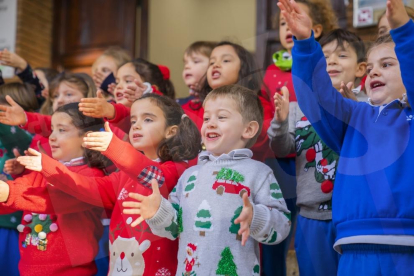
(162, 137)
(13, 141)
(383, 25)
(372, 206)
(59, 234)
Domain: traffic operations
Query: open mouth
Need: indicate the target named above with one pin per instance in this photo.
(289, 38)
(212, 136)
(188, 76)
(52, 147)
(215, 74)
(333, 72)
(119, 95)
(376, 84)
(136, 136)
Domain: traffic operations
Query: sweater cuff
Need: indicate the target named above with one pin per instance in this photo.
(305, 46)
(399, 34)
(259, 220)
(277, 129)
(163, 216)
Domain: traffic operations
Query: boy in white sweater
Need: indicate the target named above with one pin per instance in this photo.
(222, 208)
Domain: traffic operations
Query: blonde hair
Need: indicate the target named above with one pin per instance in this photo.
(202, 47)
(23, 94)
(119, 55)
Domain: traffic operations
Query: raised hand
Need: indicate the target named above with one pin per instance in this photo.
(245, 219)
(111, 88)
(346, 91)
(145, 206)
(281, 105)
(12, 59)
(134, 92)
(98, 78)
(97, 107)
(396, 13)
(4, 191)
(11, 166)
(32, 161)
(99, 140)
(298, 21)
(12, 115)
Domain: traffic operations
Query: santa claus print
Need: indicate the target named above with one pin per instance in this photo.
(190, 259)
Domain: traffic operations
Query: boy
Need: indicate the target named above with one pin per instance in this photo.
(316, 164)
(226, 199)
(372, 207)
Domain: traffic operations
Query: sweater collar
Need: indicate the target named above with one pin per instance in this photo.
(236, 154)
(74, 162)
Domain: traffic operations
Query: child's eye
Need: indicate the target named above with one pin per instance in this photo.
(61, 130)
(68, 94)
(386, 64)
(369, 70)
(133, 122)
(205, 119)
(147, 120)
(226, 60)
(343, 56)
(222, 117)
(282, 23)
(326, 56)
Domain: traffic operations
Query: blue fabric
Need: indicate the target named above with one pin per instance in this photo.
(274, 256)
(9, 252)
(373, 187)
(376, 260)
(183, 101)
(314, 242)
(102, 259)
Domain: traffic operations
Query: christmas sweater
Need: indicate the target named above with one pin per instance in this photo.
(316, 163)
(58, 233)
(135, 251)
(202, 208)
(373, 195)
(29, 76)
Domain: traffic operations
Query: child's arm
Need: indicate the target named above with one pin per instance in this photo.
(403, 35)
(282, 128)
(322, 104)
(98, 191)
(163, 217)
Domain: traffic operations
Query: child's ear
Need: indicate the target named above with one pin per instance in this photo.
(250, 130)
(171, 131)
(317, 30)
(361, 69)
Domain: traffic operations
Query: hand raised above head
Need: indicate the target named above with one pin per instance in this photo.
(298, 20)
(396, 13)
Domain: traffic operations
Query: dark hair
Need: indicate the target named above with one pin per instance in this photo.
(84, 124)
(50, 73)
(341, 36)
(250, 75)
(247, 102)
(202, 47)
(151, 73)
(21, 93)
(186, 143)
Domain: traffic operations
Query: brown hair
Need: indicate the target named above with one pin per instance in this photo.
(50, 73)
(23, 94)
(81, 81)
(186, 143)
(384, 39)
(119, 55)
(151, 73)
(247, 102)
(84, 124)
(409, 10)
(320, 11)
(202, 47)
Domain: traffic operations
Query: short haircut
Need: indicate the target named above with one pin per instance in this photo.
(341, 36)
(247, 102)
(201, 47)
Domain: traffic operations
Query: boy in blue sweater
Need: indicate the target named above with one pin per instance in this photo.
(373, 210)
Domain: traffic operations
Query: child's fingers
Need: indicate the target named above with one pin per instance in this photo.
(96, 134)
(93, 145)
(90, 100)
(88, 109)
(131, 204)
(245, 236)
(132, 211)
(136, 196)
(132, 88)
(137, 221)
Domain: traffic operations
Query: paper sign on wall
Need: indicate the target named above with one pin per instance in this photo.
(8, 19)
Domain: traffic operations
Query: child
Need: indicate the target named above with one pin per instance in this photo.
(196, 63)
(46, 76)
(384, 26)
(162, 138)
(372, 206)
(219, 204)
(59, 234)
(316, 164)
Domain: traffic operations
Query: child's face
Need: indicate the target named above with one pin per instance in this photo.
(285, 36)
(125, 77)
(223, 127)
(147, 127)
(66, 93)
(342, 63)
(104, 65)
(383, 83)
(224, 67)
(65, 141)
(383, 26)
(195, 67)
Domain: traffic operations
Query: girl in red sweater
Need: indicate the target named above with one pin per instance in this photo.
(58, 234)
(162, 137)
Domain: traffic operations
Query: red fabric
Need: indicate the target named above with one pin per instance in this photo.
(44, 142)
(38, 124)
(112, 190)
(195, 112)
(165, 71)
(72, 248)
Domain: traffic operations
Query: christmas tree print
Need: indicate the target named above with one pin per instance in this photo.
(37, 228)
(190, 185)
(203, 219)
(229, 181)
(226, 265)
(271, 238)
(275, 191)
(175, 228)
(318, 155)
(256, 269)
(173, 192)
(234, 228)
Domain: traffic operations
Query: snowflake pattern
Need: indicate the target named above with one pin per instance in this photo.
(13, 129)
(163, 272)
(123, 194)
